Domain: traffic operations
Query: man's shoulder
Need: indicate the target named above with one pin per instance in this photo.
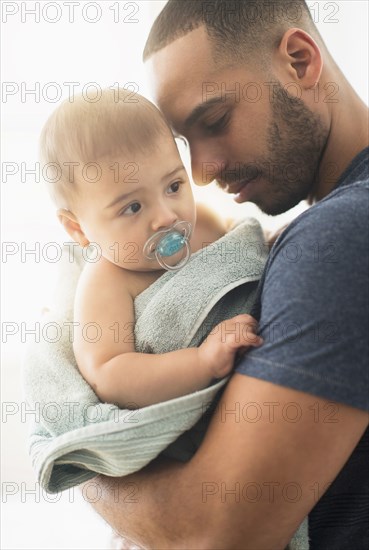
(343, 201)
(314, 286)
(341, 217)
(323, 253)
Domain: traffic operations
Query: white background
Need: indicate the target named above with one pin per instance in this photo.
(106, 52)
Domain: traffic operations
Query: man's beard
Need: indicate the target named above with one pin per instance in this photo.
(296, 138)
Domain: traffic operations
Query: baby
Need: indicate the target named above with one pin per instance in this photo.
(122, 185)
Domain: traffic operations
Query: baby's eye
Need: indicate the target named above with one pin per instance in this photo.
(131, 209)
(174, 187)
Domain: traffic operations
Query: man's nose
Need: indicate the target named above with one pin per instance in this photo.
(163, 217)
(206, 164)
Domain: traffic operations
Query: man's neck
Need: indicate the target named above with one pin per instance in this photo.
(348, 136)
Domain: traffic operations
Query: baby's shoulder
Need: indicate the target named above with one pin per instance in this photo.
(104, 281)
(101, 280)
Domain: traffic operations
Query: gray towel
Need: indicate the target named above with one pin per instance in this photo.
(76, 436)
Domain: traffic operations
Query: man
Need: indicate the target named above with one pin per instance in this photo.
(268, 114)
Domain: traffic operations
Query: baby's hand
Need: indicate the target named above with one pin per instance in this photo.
(217, 352)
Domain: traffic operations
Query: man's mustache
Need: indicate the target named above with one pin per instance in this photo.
(240, 174)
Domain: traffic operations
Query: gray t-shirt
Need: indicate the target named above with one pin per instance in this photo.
(313, 312)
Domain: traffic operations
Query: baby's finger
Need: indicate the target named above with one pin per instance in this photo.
(249, 336)
(246, 319)
(240, 331)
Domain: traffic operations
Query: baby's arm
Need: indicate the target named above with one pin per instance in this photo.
(104, 306)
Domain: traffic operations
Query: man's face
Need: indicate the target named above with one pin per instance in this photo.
(243, 130)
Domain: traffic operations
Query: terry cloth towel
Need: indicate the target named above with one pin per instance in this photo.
(75, 436)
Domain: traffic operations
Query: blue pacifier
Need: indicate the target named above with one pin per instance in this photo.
(167, 242)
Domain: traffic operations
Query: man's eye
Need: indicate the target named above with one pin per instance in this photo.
(131, 209)
(219, 125)
(174, 187)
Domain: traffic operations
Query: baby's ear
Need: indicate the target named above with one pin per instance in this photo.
(72, 226)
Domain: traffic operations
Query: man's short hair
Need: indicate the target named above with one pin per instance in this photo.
(236, 28)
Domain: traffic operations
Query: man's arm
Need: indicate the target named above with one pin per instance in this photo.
(266, 459)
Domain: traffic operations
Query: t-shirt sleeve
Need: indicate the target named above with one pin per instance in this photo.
(314, 303)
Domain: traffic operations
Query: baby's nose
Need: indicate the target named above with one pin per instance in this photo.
(163, 219)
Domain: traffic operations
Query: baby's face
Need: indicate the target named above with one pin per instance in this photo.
(134, 198)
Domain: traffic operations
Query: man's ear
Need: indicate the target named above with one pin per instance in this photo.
(300, 55)
(72, 226)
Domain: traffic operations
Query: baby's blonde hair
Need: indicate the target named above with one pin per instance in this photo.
(80, 131)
